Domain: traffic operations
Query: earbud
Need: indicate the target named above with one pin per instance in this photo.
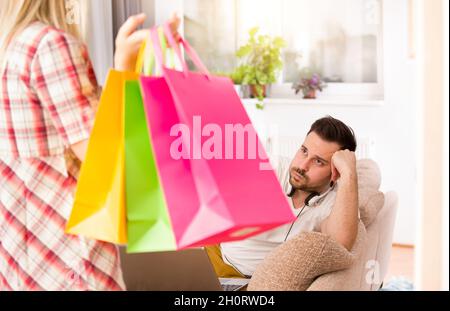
(315, 197)
(310, 198)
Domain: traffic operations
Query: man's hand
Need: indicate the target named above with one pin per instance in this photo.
(343, 164)
(342, 223)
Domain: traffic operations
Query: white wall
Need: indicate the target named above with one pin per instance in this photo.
(397, 125)
(445, 205)
(391, 125)
(430, 252)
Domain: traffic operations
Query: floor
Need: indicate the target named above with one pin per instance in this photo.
(402, 263)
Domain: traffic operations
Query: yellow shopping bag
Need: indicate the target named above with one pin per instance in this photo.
(99, 206)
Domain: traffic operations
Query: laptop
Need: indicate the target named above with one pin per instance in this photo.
(186, 270)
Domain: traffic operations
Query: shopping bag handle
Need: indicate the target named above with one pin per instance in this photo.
(140, 57)
(158, 49)
(154, 36)
(145, 62)
(189, 51)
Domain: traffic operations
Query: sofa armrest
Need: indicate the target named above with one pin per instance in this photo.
(351, 278)
(297, 263)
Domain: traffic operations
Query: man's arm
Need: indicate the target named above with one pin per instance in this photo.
(342, 223)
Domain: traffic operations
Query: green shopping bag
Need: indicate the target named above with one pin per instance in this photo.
(148, 221)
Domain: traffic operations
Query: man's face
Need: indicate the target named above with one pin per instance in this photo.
(310, 169)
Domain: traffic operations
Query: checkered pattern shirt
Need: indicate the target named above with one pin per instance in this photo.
(47, 89)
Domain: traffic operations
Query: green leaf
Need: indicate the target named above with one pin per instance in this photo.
(252, 32)
(279, 42)
(244, 51)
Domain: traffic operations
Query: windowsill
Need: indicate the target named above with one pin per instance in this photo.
(335, 101)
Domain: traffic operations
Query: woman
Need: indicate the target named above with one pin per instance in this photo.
(47, 90)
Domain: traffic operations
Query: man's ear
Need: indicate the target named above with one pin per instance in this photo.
(334, 174)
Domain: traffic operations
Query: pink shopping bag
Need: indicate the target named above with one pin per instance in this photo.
(216, 187)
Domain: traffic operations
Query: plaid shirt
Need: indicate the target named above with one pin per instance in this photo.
(47, 91)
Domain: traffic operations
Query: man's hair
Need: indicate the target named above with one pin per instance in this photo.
(334, 130)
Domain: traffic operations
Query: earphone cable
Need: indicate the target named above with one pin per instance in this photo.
(293, 223)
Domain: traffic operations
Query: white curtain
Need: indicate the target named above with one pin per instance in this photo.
(101, 20)
(97, 28)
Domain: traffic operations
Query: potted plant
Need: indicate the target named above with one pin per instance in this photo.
(260, 62)
(309, 84)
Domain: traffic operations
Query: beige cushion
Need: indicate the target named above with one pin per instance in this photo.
(371, 200)
(351, 278)
(295, 264)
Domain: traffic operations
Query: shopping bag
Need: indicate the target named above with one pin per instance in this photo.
(210, 199)
(148, 223)
(99, 205)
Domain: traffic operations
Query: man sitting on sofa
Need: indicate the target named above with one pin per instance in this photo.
(321, 184)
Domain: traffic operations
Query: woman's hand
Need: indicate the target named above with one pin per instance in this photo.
(174, 23)
(129, 40)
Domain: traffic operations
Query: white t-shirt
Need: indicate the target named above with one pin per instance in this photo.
(246, 255)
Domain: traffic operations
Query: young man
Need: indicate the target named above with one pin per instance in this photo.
(321, 184)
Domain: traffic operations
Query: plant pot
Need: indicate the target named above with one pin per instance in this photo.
(242, 90)
(311, 94)
(238, 89)
(254, 93)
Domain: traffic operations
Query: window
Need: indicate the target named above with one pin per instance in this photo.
(340, 39)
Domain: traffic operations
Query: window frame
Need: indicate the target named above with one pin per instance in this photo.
(279, 90)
